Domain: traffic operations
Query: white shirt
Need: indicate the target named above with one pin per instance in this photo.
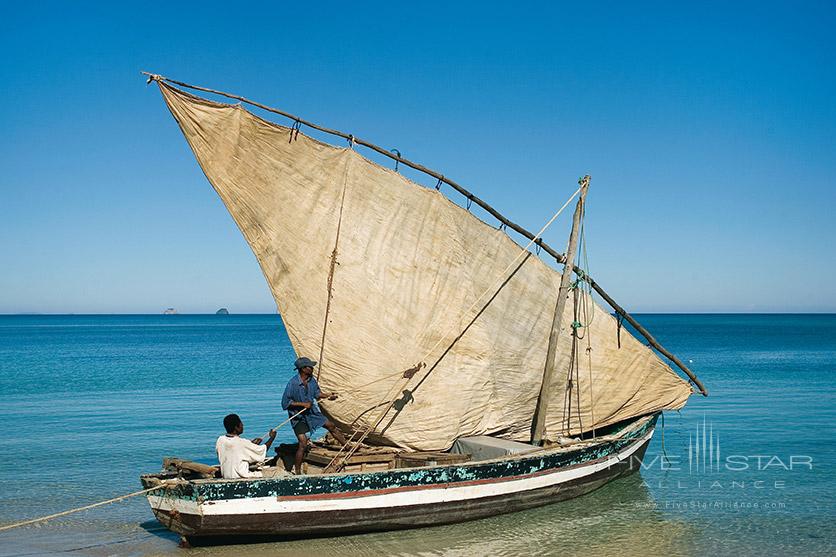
(235, 455)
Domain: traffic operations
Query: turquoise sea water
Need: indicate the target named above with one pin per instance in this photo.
(90, 402)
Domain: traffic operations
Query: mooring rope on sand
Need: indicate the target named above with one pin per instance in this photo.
(84, 508)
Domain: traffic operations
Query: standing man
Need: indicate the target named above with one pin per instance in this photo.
(236, 453)
(301, 393)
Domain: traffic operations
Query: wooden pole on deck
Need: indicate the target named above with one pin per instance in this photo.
(539, 426)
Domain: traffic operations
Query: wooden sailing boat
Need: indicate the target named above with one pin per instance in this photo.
(497, 383)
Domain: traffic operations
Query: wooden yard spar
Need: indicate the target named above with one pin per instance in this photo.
(559, 258)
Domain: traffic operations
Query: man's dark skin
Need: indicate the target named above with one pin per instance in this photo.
(305, 373)
(239, 429)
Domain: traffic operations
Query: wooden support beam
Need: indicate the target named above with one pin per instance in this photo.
(539, 426)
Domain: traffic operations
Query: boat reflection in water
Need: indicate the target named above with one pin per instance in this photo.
(618, 519)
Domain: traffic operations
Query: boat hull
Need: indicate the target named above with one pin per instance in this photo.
(217, 511)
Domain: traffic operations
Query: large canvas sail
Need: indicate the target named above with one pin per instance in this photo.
(409, 266)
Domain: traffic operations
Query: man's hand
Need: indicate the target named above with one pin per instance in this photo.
(270, 438)
(257, 441)
(306, 405)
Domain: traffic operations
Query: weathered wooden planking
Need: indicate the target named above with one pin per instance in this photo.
(190, 466)
(406, 460)
(325, 457)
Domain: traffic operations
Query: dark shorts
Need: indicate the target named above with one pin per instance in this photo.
(301, 427)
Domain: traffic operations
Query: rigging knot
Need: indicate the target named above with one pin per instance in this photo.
(577, 325)
(397, 160)
(350, 140)
(294, 131)
(153, 77)
(619, 322)
(438, 185)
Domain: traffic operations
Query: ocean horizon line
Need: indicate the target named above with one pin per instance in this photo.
(259, 313)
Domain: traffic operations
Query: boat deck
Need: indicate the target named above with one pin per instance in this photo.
(368, 458)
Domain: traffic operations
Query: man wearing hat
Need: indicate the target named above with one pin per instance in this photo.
(301, 393)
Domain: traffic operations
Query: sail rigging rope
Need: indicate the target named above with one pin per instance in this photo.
(333, 267)
(398, 385)
(583, 316)
(285, 422)
(586, 308)
(507, 268)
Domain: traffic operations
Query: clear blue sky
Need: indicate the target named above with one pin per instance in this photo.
(709, 132)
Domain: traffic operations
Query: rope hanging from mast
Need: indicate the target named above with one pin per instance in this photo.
(583, 314)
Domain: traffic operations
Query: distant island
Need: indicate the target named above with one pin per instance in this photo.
(222, 311)
(170, 311)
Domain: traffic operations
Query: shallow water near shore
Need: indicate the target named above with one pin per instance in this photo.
(91, 402)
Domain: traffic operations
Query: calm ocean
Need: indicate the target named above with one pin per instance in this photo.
(90, 402)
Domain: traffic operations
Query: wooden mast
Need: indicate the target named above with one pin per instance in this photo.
(539, 426)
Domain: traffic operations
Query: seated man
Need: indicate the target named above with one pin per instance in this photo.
(236, 453)
(301, 393)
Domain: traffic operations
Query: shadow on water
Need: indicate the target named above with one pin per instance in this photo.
(155, 528)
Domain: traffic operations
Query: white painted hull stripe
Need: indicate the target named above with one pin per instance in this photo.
(264, 505)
